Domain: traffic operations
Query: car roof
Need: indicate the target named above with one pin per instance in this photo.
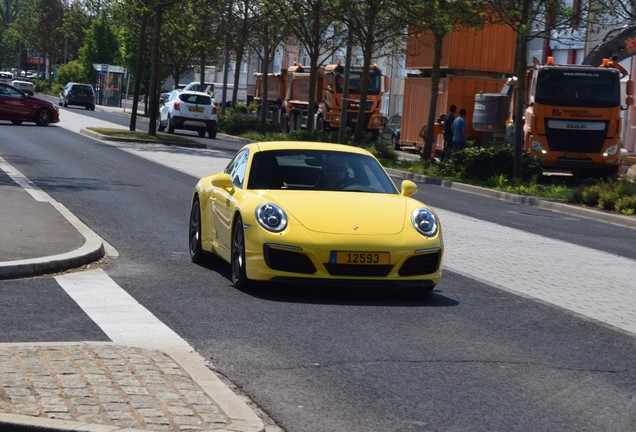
(306, 145)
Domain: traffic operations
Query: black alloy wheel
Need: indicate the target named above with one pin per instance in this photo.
(194, 238)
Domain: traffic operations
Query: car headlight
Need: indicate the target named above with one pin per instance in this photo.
(271, 217)
(424, 221)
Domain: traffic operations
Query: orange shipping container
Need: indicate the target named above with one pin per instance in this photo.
(490, 49)
(456, 90)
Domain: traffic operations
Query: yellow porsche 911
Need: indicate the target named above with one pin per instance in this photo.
(301, 212)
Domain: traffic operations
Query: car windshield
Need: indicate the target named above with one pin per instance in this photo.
(594, 88)
(195, 99)
(355, 83)
(318, 170)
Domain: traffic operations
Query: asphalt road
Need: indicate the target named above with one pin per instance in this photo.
(470, 357)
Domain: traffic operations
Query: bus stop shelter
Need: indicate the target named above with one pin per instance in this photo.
(109, 84)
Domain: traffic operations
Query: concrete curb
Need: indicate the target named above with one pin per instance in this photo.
(101, 137)
(91, 251)
(586, 212)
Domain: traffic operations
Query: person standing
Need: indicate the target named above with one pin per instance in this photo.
(448, 131)
(459, 132)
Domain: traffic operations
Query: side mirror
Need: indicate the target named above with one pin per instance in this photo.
(408, 188)
(223, 181)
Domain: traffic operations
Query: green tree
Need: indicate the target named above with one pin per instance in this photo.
(439, 17)
(40, 23)
(529, 19)
(374, 24)
(312, 23)
(100, 45)
(72, 71)
(10, 41)
(76, 22)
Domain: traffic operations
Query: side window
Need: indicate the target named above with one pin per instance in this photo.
(237, 167)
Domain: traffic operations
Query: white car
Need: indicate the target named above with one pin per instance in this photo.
(189, 110)
(6, 77)
(25, 86)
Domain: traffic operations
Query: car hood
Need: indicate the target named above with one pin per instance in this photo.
(345, 212)
(39, 100)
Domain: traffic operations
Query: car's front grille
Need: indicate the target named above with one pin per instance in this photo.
(421, 264)
(358, 270)
(288, 260)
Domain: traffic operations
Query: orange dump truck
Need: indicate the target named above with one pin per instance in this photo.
(573, 116)
(331, 102)
(276, 87)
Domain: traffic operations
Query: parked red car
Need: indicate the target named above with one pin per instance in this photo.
(17, 107)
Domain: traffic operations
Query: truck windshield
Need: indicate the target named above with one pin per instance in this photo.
(355, 83)
(593, 88)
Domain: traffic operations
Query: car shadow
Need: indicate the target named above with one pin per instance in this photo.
(332, 295)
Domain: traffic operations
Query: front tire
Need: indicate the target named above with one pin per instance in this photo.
(194, 237)
(43, 117)
(239, 277)
(170, 126)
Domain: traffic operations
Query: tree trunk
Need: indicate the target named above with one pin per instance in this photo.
(138, 68)
(432, 106)
(153, 92)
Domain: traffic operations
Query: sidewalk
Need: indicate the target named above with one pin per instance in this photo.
(96, 387)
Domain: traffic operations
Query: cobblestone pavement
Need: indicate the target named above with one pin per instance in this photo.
(105, 384)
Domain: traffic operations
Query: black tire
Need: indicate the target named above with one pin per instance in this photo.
(201, 133)
(284, 123)
(43, 117)
(87, 107)
(239, 277)
(212, 133)
(92, 107)
(65, 104)
(297, 120)
(16, 122)
(194, 237)
(161, 127)
(170, 126)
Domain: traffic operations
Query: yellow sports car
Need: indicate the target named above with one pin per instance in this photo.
(304, 212)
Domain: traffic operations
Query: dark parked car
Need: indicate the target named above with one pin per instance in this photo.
(78, 94)
(391, 130)
(17, 107)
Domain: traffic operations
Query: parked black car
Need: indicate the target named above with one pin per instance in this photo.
(78, 94)
(391, 130)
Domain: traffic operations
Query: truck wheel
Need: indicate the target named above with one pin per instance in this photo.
(284, 122)
(296, 120)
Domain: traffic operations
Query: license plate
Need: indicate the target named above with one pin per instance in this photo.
(82, 95)
(575, 155)
(196, 109)
(360, 258)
